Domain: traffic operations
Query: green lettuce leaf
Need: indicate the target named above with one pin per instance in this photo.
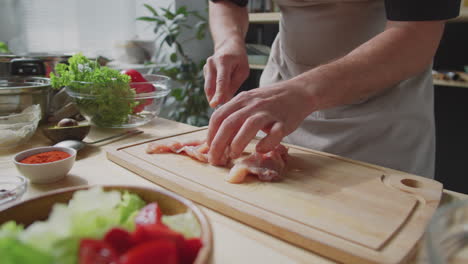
(13, 251)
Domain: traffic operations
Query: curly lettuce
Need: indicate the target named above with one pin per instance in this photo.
(102, 94)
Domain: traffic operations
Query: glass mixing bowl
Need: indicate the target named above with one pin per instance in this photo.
(12, 189)
(108, 105)
(18, 128)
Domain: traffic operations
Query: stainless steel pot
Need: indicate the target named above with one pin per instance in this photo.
(49, 61)
(5, 61)
(17, 93)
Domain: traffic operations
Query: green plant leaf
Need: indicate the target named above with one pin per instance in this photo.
(179, 18)
(169, 40)
(149, 19)
(182, 10)
(200, 28)
(151, 9)
(188, 97)
(4, 47)
(174, 57)
(196, 14)
(192, 120)
(177, 93)
(167, 13)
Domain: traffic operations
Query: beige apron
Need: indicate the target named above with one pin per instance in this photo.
(394, 129)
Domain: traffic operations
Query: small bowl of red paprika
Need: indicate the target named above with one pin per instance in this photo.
(45, 164)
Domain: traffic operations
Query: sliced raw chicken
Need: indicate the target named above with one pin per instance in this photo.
(195, 149)
(267, 166)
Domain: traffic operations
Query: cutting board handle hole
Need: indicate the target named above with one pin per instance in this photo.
(412, 183)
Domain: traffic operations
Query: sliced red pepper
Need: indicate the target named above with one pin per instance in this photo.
(119, 239)
(190, 250)
(135, 75)
(145, 233)
(96, 252)
(149, 215)
(140, 85)
(159, 251)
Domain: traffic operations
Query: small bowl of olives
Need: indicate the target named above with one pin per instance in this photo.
(67, 129)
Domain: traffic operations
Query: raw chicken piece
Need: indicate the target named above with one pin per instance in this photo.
(199, 152)
(174, 146)
(196, 149)
(267, 166)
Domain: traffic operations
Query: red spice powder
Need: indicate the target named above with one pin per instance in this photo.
(44, 157)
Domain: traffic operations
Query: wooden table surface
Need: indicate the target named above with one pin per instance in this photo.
(234, 242)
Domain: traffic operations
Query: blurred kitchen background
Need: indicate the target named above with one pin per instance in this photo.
(97, 28)
(109, 28)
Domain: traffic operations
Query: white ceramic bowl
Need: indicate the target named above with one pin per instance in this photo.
(45, 172)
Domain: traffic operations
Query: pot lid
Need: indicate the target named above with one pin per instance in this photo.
(18, 82)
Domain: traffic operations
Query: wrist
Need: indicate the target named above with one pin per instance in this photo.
(233, 42)
(305, 93)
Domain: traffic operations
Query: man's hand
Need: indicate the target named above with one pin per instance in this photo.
(277, 110)
(225, 71)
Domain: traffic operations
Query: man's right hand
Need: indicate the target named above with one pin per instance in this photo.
(225, 71)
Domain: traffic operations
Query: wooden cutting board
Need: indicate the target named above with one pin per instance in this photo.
(347, 210)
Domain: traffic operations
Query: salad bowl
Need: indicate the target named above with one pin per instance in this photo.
(37, 209)
(120, 105)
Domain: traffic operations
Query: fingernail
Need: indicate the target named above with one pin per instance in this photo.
(213, 103)
(210, 158)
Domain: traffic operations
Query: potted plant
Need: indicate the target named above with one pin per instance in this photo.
(191, 106)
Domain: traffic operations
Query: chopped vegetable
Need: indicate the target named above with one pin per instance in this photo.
(120, 240)
(112, 99)
(148, 233)
(60, 234)
(96, 252)
(190, 250)
(135, 76)
(129, 208)
(158, 251)
(119, 229)
(185, 224)
(140, 85)
(13, 251)
(150, 214)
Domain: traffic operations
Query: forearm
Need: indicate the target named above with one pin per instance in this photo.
(403, 50)
(228, 22)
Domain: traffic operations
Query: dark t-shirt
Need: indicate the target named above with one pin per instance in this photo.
(410, 10)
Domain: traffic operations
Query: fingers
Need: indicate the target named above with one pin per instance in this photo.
(238, 77)
(210, 79)
(223, 84)
(272, 139)
(247, 132)
(226, 132)
(219, 116)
